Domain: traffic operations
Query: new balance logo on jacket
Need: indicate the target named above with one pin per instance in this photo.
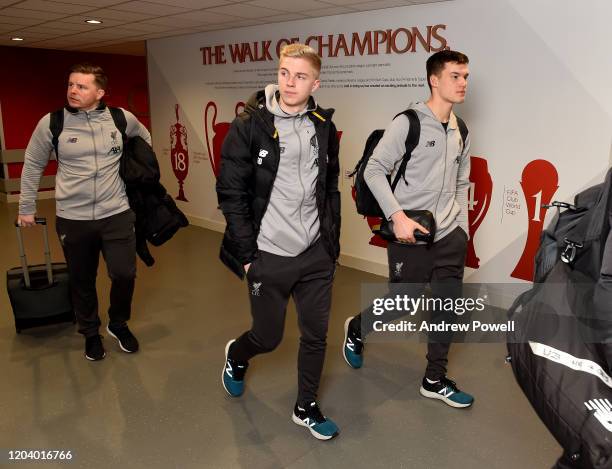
(262, 155)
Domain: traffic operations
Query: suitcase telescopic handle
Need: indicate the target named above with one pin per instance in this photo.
(22, 255)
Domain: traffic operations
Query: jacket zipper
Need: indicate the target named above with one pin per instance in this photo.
(444, 173)
(300, 179)
(93, 138)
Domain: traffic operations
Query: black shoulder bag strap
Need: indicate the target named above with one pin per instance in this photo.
(412, 140)
(463, 130)
(120, 122)
(56, 125)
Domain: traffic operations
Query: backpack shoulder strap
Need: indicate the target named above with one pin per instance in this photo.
(120, 122)
(463, 130)
(412, 140)
(56, 125)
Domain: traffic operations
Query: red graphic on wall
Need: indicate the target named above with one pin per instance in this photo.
(216, 131)
(539, 183)
(179, 154)
(373, 223)
(479, 200)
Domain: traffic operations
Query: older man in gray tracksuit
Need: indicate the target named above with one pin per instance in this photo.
(93, 214)
(436, 179)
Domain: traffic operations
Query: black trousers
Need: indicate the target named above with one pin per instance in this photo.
(441, 265)
(272, 280)
(82, 242)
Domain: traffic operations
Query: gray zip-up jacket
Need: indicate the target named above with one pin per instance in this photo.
(436, 177)
(291, 221)
(87, 183)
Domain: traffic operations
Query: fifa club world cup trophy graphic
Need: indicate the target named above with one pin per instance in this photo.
(539, 183)
(479, 200)
(179, 154)
(216, 132)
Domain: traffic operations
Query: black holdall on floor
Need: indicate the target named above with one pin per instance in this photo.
(39, 294)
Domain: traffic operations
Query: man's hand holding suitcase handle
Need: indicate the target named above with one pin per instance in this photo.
(29, 220)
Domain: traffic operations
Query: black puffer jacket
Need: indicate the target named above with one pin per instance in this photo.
(157, 216)
(244, 188)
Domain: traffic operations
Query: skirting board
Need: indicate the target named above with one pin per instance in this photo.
(359, 263)
(206, 223)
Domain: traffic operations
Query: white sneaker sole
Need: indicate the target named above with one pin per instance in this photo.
(317, 435)
(93, 359)
(346, 327)
(434, 395)
(227, 346)
(118, 341)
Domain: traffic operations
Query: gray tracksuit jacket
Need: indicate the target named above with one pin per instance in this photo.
(436, 177)
(87, 184)
(291, 221)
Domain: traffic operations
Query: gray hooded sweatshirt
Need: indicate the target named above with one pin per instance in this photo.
(436, 177)
(291, 222)
(87, 184)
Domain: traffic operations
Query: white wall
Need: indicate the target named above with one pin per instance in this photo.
(538, 90)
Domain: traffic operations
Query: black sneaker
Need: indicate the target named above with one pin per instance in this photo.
(94, 350)
(310, 416)
(447, 391)
(352, 347)
(124, 336)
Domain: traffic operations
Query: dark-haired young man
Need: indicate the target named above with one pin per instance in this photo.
(436, 179)
(278, 189)
(93, 214)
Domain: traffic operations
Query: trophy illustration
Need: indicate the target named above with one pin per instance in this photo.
(216, 131)
(539, 183)
(179, 155)
(479, 200)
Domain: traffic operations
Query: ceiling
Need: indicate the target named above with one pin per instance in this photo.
(127, 24)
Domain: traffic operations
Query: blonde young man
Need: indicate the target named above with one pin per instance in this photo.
(278, 190)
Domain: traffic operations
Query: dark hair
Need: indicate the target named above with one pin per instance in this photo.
(100, 78)
(436, 62)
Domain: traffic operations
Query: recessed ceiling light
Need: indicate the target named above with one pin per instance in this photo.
(93, 21)
(16, 38)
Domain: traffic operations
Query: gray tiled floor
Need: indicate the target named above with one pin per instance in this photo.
(164, 407)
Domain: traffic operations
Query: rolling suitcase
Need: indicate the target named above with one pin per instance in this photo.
(39, 294)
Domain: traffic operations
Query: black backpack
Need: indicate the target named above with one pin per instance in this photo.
(56, 125)
(367, 205)
(561, 348)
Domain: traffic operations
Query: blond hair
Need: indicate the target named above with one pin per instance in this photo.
(302, 51)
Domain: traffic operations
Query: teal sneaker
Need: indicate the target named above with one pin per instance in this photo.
(233, 373)
(352, 348)
(310, 416)
(447, 391)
